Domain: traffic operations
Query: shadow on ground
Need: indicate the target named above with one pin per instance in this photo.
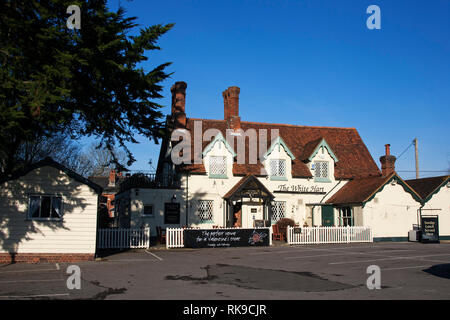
(439, 270)
(264, 279)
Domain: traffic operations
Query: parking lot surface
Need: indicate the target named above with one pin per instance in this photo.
(408, 271)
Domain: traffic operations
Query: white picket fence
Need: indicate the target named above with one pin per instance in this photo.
(175, 237)
(316, 235)
(121, 238)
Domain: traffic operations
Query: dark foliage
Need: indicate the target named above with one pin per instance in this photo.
(84, 82)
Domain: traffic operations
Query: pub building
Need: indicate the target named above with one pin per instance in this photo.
(316, 176)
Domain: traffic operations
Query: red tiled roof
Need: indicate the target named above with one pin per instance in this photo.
(354, 158)
(361, 190)
(358, 190)
(309, 148)
(426, 186)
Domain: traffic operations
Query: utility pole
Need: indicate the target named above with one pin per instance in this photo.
(416, 147)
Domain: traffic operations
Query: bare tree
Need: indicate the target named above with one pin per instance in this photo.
(94, 160)
(60, 147)
(98, 160)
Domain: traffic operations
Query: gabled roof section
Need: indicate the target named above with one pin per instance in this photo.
(280, 142)
(427, 187)
(218, 138)
(362, 190)
(354, 158)
(313, 147)
(52, 163)
(249, 182)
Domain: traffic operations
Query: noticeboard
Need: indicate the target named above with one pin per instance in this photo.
(171, 213)
(261, 223)
(430, 229)
(216, 238)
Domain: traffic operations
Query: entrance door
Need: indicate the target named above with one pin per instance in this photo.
(252, 213)
(327, 216)
(237, 215)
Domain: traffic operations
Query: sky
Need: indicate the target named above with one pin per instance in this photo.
(313, 63)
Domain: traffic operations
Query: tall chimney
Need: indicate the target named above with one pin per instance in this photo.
(112, 178)
(231, 107)
(178, 104)
(387, 162)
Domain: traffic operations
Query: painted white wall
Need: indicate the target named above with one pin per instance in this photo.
(391, 213)
(136, 198)
(358, 216)
(76, 233)
(440, 200)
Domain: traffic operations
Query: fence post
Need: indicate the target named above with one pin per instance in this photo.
(270, 236)
(167, 237)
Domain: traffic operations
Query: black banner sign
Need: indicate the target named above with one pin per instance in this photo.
(171, 213)
(430, 229)
(297, 230)
(216, 238)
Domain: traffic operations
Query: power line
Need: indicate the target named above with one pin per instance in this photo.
(405, 150)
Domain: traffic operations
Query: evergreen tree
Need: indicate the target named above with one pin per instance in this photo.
(87, 81)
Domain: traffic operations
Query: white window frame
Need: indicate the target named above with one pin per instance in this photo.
(277, 173)
(349, 220)
(223, 170)
(318, 170)
(278, 205)
(51, 196)
(198, 208)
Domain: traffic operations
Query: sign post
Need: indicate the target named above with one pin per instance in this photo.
(430, 229)
(171, 213)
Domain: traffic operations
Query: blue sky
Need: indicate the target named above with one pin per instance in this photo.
(315, 63)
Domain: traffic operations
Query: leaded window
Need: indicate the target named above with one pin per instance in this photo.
(321, 170)
(278, 210)
(217, 166)
(205, 210)
(278, 168)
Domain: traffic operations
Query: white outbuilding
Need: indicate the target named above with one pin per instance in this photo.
(435, 194)
(48, 213)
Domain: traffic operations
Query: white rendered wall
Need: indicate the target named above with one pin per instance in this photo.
(391, 213)
(440, 200)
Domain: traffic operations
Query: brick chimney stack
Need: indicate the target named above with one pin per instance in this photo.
(112, 178)
(387, 162)
(178, 104)
(231, 107)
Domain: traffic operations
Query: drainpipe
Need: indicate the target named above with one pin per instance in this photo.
(330, 191)
(187, 199)
(312, 213)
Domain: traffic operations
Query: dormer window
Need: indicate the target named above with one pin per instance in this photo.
(321, 171)
(218, 166)
(278, 168)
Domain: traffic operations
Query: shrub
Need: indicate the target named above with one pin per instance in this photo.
(284, 223)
